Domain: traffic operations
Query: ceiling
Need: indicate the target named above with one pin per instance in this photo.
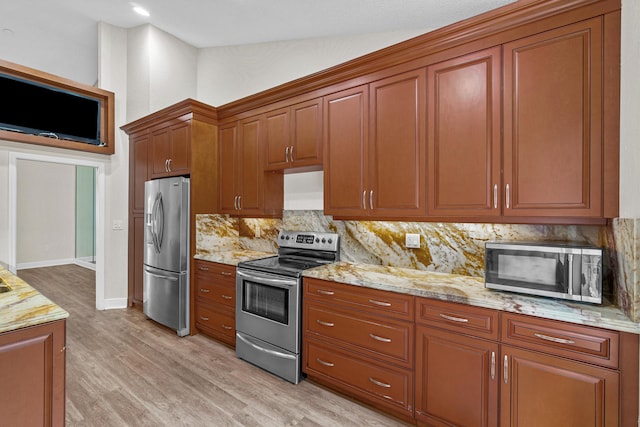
(61, 36)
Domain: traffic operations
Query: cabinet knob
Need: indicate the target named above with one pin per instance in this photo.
(204, 291)
(226, 297)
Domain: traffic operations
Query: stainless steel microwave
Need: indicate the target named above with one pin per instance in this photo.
(565, 271)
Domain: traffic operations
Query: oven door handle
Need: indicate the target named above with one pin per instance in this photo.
(267, 279)
(265, 350)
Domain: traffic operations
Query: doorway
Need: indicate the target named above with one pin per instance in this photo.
(99, 205)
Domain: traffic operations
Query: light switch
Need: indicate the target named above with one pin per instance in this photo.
(412, 240)
(117, 224)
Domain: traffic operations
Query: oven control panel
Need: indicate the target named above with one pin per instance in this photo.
(309, 240)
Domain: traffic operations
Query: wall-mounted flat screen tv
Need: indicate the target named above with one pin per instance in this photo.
(33, 108)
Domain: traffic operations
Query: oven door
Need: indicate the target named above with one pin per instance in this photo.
(268, 308)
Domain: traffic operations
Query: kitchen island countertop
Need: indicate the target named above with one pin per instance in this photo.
(23, 306)
(471, 291)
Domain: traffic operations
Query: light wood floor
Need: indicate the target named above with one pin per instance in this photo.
(125, 370)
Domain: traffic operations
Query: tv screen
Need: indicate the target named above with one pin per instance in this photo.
(37, 109)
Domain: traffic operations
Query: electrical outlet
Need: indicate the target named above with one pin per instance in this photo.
(117, 224)
(412, 240)
(258, 231)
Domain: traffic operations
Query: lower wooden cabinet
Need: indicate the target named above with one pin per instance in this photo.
(359, 341)
(439, 363)
(457, 380)
(32, 375)
(215, 301)
(543, 390)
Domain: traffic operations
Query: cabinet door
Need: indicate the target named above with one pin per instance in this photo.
(553, 122)
(397, 147)
(32, 376)
(306, 133)
(542, 390)
(249, 164)
(464, 135)
(159, 152)
(456, 379)
(179, 149)
(276, 144)
(228, 142)
(345, 152)
(138, 151)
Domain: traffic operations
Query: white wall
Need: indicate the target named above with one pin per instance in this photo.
(161, 70)
(630, 111)
(229, 73)
(45, 213)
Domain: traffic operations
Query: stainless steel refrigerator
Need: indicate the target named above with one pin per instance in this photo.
(166, 253)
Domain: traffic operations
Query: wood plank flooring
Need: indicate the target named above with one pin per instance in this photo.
(125, 370)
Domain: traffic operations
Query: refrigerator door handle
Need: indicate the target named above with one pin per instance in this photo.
(161, 215)
(172, 279)
(153, 223)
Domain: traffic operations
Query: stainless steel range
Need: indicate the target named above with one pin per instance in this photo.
(269, 301)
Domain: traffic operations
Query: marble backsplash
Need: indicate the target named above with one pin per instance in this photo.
(445, 247)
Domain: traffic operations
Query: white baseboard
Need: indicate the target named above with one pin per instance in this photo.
(85, 263)
(113, 303)
(49, 263)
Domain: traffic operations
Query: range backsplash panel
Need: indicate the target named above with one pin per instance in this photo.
(456, 248)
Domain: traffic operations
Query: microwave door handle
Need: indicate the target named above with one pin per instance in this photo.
(570, 278)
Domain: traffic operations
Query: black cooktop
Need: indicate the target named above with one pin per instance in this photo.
(286, 266)
(298, 251)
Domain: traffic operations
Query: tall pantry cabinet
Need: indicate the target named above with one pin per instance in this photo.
(180, 140)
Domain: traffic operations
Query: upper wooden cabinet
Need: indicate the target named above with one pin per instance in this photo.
(179, 140)
(375, 159)
(293, 136)
(170, 151)
(553, 112)
(464, 110)
(245, 189)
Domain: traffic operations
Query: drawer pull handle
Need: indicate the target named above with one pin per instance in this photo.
(226, 297)
(379, 383)
(322, 362)
(204, 291)
(323, 292)
(454, 319)
(225, 273)
(554, 339)
(380, 303)
(329, 324)
(206, 319)
(228, 328)
(381, 339)
(203, 268)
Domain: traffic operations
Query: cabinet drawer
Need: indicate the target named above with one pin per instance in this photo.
(381, 302)
(391, 387)
(380, 338)
(220, 324)
(476, 321)
(215, 270)
(584, 343)
(219, 293)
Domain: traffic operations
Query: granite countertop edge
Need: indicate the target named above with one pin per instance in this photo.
(467, 290)
(471, 291)
(24, 306)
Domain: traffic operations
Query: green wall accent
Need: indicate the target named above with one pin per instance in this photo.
(85, 213)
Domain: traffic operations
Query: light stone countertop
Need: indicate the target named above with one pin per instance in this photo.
(23, 306)
(470, 290)
(232, 257)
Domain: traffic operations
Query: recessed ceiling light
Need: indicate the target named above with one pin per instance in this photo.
(7, 32)
(140, 11)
